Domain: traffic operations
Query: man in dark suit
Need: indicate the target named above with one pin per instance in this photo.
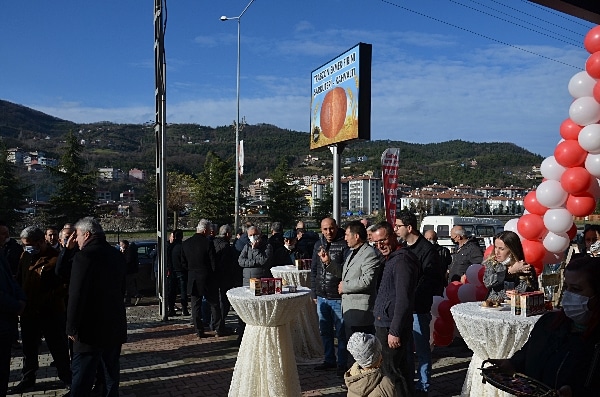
(96, 320)
(199, 259)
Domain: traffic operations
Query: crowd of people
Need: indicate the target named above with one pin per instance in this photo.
(373, 286)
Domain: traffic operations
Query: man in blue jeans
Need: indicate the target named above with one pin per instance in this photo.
(431, 282)
(330, 249)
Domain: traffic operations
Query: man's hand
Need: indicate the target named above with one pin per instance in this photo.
(504, 364)
(394, 341)
(73, 338)
(340, 290)
(324, 255)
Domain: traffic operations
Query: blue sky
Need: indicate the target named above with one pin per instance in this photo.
(484, 71)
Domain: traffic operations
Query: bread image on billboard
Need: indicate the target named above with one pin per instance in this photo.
(333, 112)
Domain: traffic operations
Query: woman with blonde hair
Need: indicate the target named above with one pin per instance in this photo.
(506, 269)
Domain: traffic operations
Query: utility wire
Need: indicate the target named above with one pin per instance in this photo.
(573, 42)
(558, 14)
(480, 35)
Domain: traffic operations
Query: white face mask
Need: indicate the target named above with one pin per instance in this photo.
(506, 261)
(576, 307)
(253, 238)
(290, 246)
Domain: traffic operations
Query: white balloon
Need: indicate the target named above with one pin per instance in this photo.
(592, 164)
(556, 242)
(473, 275)
(551, 194)
(511, 225)
(558, 220)
(581, 84)
(466, 293)
(589, 138)
(550, 169)
(585, 110)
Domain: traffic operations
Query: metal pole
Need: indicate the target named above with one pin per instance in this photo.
(237, 135)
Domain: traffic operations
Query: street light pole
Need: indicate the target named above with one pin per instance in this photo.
(237, 124)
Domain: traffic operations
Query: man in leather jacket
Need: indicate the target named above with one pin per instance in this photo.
(330, 249)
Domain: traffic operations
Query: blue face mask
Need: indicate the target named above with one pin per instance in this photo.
(31, 249)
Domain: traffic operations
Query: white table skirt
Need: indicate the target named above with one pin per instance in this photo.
(489, 333)
(265, 365)
(292, 276)
(308, 346)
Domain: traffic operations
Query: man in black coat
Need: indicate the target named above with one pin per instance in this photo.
(467, 253)
(198, 258)
(96, 320)
(178, 277)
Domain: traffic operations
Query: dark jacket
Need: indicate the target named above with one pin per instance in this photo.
(45, 291)
(132, 262)
(198, 258)
(395, 301)
(465, 256)
(96, 312)
(557, 356)
(256, 262)
(12, 252)
(285, 257)
(241, 242)
(432, 280)
(324, 283)
(307, 242)
(276, 241)
(174, 256)
(10, 295)
(228, 273)
(445, 257)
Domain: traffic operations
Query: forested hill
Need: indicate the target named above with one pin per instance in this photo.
(127, 146)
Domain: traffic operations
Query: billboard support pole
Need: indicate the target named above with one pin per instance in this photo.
(336, 151)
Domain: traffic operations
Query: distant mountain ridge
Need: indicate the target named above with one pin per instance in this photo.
(127, 146)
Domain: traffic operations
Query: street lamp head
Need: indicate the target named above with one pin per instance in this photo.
(224, 18)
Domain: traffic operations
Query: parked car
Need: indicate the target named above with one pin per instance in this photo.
(146, 280)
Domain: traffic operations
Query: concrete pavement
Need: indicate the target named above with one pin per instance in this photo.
(167, 359)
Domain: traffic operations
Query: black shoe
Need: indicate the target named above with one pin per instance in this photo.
(202, 335)
(173, 313)
(21, 387)
(225, 332)
(340, 371)
(325, 366)
(236, 343)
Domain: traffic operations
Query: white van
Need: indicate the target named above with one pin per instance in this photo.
(483, 228)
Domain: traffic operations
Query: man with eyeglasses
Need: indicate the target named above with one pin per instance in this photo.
(394, 307)
(431, 283)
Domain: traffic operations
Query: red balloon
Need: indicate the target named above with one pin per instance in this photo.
(533, 205)
(481, 292)
(572, 232)
(444, 327)
(570, 154)
(591, 42)
(570, 130)
(596, 91)
(531, 226)
(444, 310)
(442, 340)
(592, 65)
(533, 250)
(582, 204)
(538, 266)
(452, 292)
(575, 180)
(488, 251)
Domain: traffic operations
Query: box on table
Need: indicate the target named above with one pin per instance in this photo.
(264, 286)
(528, 304)
(256, 286)
(278, 285)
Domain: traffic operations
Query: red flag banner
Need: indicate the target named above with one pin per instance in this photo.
(389, 168)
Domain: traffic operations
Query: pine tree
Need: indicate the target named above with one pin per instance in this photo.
(214, 197)
(12, 193)
(75, 194)
(284, 199)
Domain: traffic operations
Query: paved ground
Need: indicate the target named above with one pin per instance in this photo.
(166, 359)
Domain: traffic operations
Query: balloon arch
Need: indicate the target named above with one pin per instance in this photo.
(570, 188)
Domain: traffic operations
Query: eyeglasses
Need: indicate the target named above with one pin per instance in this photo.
(379, 243)
(397, 226)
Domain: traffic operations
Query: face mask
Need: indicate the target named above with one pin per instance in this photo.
(506, 261)
(31, 249)
(290, 246)
(576, 307)
(252, 239)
